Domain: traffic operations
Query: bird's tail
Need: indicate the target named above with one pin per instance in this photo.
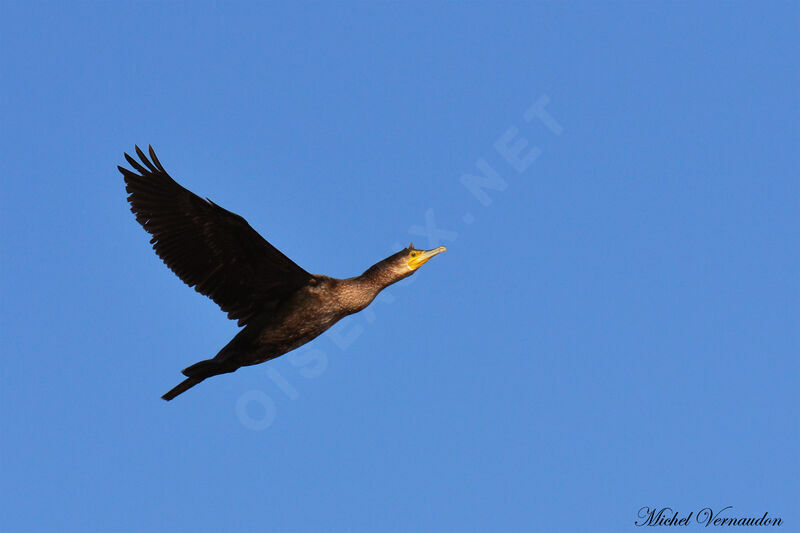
(195, 374)
(183, 386)
(207, 368)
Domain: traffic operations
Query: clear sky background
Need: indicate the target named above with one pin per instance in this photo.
(615, 328)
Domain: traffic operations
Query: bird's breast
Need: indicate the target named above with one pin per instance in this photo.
(301, 319)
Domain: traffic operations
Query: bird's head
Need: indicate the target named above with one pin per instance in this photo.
(402, 264)
(412, 258)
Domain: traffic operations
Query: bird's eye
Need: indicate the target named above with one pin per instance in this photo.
(413, 254)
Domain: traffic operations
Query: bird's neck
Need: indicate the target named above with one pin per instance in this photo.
(377, 277)
(359, 291)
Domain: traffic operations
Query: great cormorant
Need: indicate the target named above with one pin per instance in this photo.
(280, 305)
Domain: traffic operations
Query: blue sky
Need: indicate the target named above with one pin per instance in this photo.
(614, 324)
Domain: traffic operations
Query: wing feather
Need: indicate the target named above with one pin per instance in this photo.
(208, 247)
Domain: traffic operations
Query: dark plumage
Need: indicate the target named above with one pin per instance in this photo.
(280, 305)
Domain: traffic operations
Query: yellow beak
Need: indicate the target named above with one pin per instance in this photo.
(422, 257)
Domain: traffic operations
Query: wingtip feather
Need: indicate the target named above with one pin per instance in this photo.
(144, 160)
(154, 158)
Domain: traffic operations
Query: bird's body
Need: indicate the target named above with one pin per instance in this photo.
(281, 305)
(304, 316)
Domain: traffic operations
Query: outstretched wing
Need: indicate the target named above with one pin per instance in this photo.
(208, 247)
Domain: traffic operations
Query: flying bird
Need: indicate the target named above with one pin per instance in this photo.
(280, 305)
